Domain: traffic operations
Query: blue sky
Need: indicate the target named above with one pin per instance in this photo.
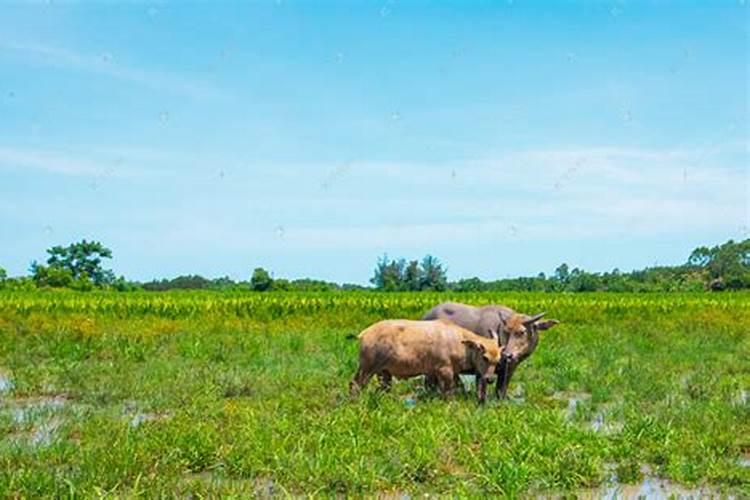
(312, 137)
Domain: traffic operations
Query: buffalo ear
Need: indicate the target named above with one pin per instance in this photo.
(546, 324)
(474, 344)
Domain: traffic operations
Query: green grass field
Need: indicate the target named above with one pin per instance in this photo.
(217, 394)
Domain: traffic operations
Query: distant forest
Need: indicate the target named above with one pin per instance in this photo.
(79, 266)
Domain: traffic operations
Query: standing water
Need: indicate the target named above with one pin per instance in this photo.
(6, 384)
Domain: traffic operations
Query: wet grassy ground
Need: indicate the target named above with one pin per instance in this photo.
(218, 403)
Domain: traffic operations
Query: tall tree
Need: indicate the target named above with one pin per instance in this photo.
(82, 261)
(433, 275)
(261, 280)
(413, 276)
(727, 265)
(389, 275)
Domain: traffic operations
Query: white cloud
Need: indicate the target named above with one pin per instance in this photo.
(14, 158)
(74, 164)
(104, 64)
(522, 196)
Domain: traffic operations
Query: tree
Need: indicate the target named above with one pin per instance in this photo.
(223, 283)
(190, 282)
(726, 265)
(182, 282)
(581, 281)
(397, 275)
(433, 275)
(468, 285)
(700, 257)
(51, 276)
(82, 259)
(311, 285)
(413, 276)
(122, 285)
(562, 274)
(389, 276)
(281, 284)
(261, 280)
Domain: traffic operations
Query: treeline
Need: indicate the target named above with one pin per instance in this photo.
(261, 281)
(79, 266)
(722, 267)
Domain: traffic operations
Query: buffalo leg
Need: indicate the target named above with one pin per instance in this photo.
(446, 378)
(385, 380)
(360, 380)
(501, 372)
(430, 382)
(506, 369)
(481, 389)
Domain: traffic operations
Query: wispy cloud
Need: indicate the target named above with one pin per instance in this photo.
(558, 173)
(541, 195)
(72, 163)
(105, 64)
(46, 161)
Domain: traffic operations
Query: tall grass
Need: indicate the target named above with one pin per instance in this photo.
(214, 394)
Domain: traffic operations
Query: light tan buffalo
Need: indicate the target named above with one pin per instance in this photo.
(517, 333)
(404, 348)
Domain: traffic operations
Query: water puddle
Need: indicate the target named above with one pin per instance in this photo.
(396, 496)
(653, 488)
(44, 434)
(25, 409)
(141, 418)
(650, 487)
(6, 384)
(573, 399)
(603, 423)
(136, 418)
(261, 487)
(597, 424)
(37, 418)
(742, 397)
